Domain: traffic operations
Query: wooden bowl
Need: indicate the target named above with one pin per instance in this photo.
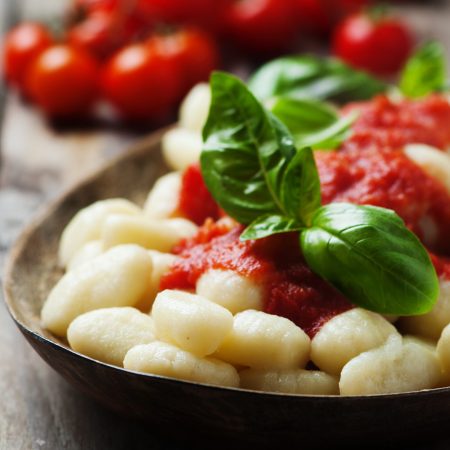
(184, 408)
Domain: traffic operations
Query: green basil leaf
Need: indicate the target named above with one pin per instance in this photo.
(268, 225)
(425, 72)
(302, 115)
(245, 151)
(313, 77)
(371, 257)
(312, 123)
(300, 187)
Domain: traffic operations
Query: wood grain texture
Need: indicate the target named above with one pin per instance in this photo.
(38, 409)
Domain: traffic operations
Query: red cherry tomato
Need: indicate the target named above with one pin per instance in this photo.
(63, 81)
(103, 32)
(22, 45)
(379, 45)
(264, 26)
(141, 83)
(97, 34)
(192, 50)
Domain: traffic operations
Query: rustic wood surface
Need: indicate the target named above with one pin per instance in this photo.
(38, 410)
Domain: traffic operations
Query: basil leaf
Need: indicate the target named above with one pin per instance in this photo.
(371, 257)
(245, 151)
(312, 123)
(300, 187)
(302, 115)
(313, 77)
(425, 72)
(268, 225)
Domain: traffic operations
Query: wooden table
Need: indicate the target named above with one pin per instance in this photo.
(38, 410)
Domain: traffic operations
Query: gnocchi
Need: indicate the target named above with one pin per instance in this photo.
(396, 366)
(87, 225)
(347, 335)
(164, 359)
(264, 341)
(191, 322)
(153, 234)
(119, 277)
(231, 290)
(430, 325)
(162, 200)
(181, 147)
(107, 334)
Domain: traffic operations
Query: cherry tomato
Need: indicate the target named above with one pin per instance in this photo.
(264, 26)
(103, 32)
(192, 50)
(63, 81)
(22, 45)
(379, 45)
(141, 83)
(97, 34)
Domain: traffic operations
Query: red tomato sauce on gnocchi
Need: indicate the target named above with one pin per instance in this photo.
(386, 123)
(291, 289)
(369, 168)
(388, 178)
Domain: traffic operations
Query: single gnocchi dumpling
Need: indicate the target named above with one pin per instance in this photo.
(153, 234)
(396, 366)
(191, 322)
(290, 381)
(161, 265)
(264, 341)
(433, 161)
(347, 335)
(231, 290)
(430, 325)
(87, 224)
(107, 334)
(87, 252)
(161, 358)
(195, 107)
(119, 277)
(162, 201)
(181, 148)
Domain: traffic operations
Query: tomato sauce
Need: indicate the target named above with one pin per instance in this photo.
(369, 168)
(196, 203)
(390, 180)
(291, 289)
(383, 122)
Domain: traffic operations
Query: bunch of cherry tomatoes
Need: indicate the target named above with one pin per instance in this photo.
(142, 56)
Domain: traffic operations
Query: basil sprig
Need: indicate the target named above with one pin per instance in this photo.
(246, 153)
(425, 72)
(313, 77)
(256, 174)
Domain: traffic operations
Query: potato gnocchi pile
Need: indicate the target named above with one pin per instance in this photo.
(109, 307)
